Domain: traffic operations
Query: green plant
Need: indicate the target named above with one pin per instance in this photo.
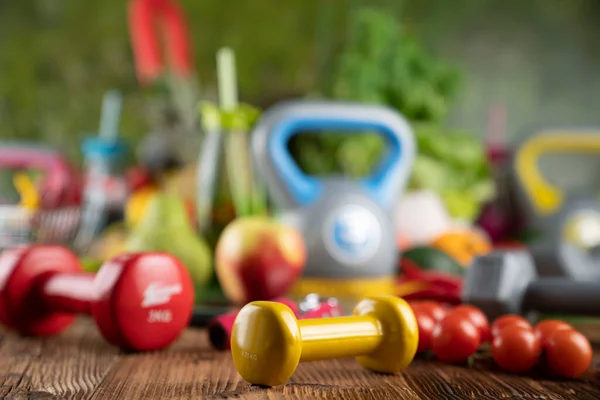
(383, 64)
(453, 165)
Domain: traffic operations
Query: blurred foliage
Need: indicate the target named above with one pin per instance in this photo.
(383, 64)
(57, 57)
(454, 165)
(537, 58)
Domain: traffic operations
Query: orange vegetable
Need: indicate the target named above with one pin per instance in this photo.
(463, 246)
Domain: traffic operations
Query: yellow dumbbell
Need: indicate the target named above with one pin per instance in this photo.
(267, 341)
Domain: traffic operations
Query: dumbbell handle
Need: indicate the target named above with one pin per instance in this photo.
(69, 293)
(339, 337)
(562, 296)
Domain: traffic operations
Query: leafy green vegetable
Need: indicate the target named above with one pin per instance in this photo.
(383, 64)
(453, 165)
(460, 204)
(431, 258)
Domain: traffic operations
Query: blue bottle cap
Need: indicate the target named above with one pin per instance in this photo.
(99, 147)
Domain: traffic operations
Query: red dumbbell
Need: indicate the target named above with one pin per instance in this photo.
(140, 301)
(219, 328)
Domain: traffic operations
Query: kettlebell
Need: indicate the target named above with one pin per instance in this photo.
(348, 225)
(569, 223)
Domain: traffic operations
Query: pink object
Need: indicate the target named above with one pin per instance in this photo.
(495, 217)
(494, 221)
(497, 149)
(219, 329)
(326, 309)
(61, 185)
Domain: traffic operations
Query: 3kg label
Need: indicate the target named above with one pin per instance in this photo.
(249, 356)
(160, 316)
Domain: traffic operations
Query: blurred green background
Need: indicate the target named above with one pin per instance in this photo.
(535, 60)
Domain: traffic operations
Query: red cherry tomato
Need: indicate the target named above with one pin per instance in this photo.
(509, 319)
(516, 348)
(544, 329)
(433, 308)
(568, 352)
(477, 317)
(455, 339)
(426, 324)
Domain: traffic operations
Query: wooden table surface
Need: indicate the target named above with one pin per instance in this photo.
(79, 364)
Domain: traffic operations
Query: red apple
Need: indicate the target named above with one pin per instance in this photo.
(258, 258)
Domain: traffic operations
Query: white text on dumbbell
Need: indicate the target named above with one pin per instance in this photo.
(164, 316)
(157, 294)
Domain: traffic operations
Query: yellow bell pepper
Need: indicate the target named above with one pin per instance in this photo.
(137, 204)
(30, 198)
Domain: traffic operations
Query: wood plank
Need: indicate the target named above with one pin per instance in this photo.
(67, 366)
(195, 370)
(591, 329)
(345, 379)
(80, 364)
(16, 356)
(190, 368)
(187, 369)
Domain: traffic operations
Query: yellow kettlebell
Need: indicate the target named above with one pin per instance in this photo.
(547, 198)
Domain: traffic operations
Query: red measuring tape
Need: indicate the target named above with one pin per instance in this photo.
(145, 16)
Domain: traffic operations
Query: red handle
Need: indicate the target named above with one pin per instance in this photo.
(69, 293)
(144, 17)
(176, 34)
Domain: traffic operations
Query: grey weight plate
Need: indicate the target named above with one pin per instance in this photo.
(371, 251)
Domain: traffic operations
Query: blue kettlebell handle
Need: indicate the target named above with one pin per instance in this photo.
(285, 181)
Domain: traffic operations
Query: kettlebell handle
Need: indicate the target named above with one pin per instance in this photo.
(545, 197)
(289, 187)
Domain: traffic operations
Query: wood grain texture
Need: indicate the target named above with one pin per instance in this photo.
(80, 365)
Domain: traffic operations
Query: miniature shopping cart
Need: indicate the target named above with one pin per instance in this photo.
(53, 207)
(47, 211)
(20, 225)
